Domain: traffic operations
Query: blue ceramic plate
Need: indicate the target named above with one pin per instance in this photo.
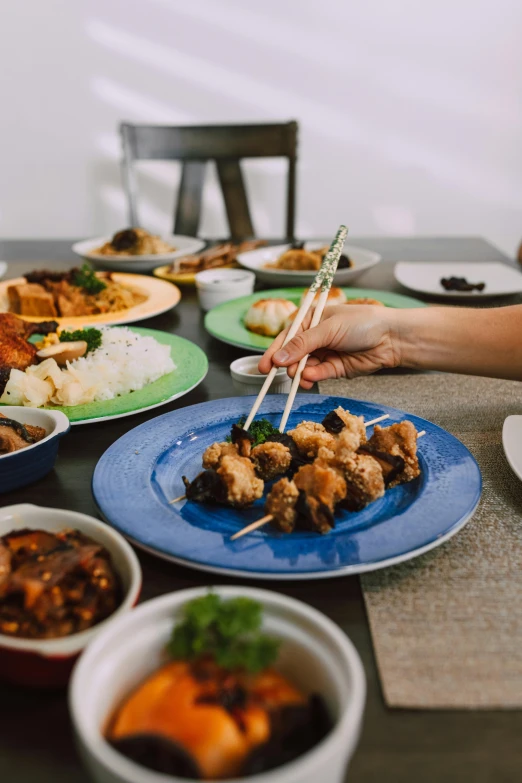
(138, 475)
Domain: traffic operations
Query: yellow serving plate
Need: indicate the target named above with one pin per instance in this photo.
(184, 278)
(161, 296)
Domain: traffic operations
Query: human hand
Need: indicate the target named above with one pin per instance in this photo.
(350, 341)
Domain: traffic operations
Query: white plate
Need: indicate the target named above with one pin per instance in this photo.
(512, 442)
(3, 268)
(425, 277)
(256, 260)
(185, 246)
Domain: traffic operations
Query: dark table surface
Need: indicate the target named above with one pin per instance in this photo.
(399, 746)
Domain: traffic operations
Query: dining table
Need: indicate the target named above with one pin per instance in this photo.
(396, 745)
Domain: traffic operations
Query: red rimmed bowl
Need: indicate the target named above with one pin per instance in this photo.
(47, 663)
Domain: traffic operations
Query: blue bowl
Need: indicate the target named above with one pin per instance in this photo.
(27, 465)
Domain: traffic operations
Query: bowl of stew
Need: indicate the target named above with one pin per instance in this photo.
(138, 717)
(29, 441)
(64, 577)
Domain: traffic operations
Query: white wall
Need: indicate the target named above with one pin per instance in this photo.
(410, 110)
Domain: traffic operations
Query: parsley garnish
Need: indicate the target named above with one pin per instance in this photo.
(260, 430)
(86, 278)
(93, 338)
(226, 630)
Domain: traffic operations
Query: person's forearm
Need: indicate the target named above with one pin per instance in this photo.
(473, 342)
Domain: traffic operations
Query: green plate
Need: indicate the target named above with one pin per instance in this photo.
(191, 368)
(226, 322)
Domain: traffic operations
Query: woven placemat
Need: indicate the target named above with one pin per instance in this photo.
(447, 626)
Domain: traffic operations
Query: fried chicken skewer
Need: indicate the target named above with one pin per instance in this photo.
(310, 498)
(276, 456)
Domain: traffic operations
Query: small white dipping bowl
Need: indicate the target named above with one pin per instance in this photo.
(216, 286)
(247, 379)
(48, 662)
(315, 654)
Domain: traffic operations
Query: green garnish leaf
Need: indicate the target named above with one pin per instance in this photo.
(86, 278)
(227, 631)
(260, 430)
(93, 337)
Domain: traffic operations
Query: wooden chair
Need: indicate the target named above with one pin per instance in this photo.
(194, 146)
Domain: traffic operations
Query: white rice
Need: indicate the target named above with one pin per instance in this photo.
(125, 362)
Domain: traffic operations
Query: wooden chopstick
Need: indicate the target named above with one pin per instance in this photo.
(323, 280)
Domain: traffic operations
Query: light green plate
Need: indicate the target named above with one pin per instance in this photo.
(191, 368)
(226, 322)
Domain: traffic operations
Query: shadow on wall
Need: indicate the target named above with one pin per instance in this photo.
(392, 135)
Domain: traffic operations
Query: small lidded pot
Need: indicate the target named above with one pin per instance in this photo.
(248, 380)
(216, 286)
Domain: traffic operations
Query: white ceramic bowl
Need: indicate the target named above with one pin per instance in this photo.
(48, 662)
(216, 286)
(185, 246)
(27, 465)
(247, 379)
(256, 260)
(3, 268)
(315, 654)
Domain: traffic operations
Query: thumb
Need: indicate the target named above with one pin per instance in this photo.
(302, 344)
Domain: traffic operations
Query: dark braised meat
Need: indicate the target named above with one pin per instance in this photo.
(333, 423)
(15, 436)
(242, 439)
(41, 276)
(295, 729)
(460, 284)
(53, 585)
(125, 240)
(344, 262)
(207, 487)
(157, 752)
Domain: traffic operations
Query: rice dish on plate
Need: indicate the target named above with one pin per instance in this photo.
(124, 362)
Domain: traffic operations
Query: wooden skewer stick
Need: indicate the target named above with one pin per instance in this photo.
(177, 500)
(265, 520)
(321, 279)
(366, 424)
(253, 526)
(377, 420)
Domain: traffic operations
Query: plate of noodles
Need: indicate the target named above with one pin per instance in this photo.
(81, 297)
(298, 263)
(136, 250)
(117, 371)
(252, 322)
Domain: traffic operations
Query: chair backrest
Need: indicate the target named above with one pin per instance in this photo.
(194, 146)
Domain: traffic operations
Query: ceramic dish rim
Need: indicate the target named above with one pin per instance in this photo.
(145, 258)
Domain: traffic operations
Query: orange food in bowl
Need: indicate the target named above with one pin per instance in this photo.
(218, 717)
